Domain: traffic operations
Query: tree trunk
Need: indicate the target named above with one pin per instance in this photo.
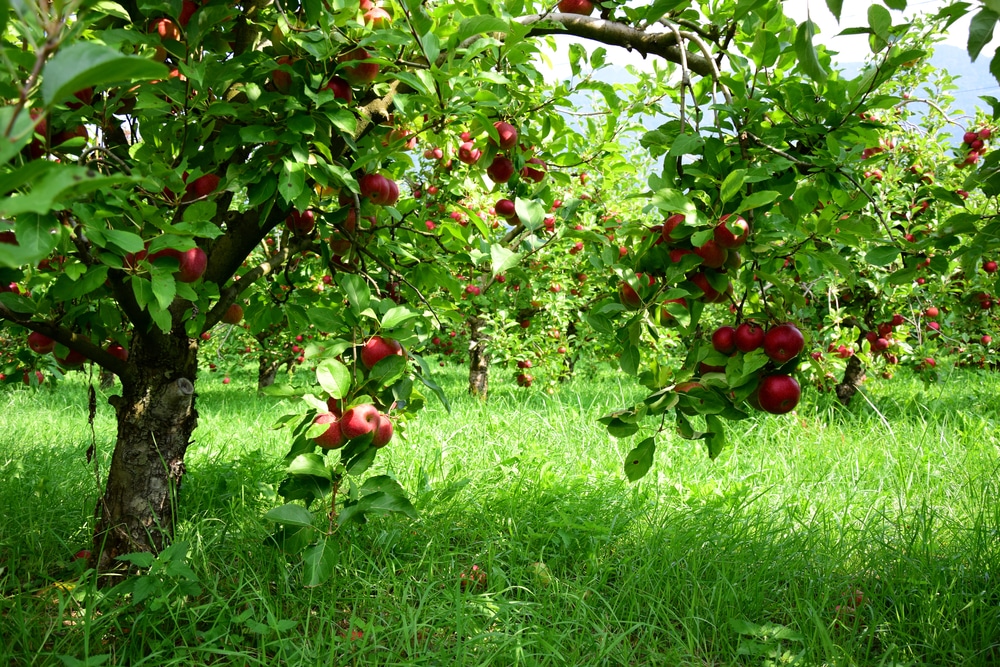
(156, 418)
(854, 375)
(267, 371)
(569, 359)
(479, 359)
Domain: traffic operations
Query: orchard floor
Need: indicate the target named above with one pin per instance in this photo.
(824, 537)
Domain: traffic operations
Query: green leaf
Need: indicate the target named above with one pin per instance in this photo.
(319, 561)
(4, 14)
(56, 188)
(290, 515)
(356, 290)
(396, 316)
(835, 7)
(640, 460)
(530, 212)
(382, 483)
(732, 184)
(880, 21)
(882, 255)
(311, 464)
(806, 52)
(480, 25)
(715, 437)
(629, 360)
(757, 199)
(503, 259)
(981, 31)
(84, 64)
(387, 370)
(334, 377)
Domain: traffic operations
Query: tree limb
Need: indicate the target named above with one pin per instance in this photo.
(662, 44)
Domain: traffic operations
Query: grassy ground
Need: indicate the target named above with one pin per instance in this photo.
(863, 537)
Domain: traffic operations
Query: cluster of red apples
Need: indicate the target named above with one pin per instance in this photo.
(716, 254)
(363, 419)
(777, 392)
(974, 144)
(39, 343)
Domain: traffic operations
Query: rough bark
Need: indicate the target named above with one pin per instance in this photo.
(569, 359)
(854, 375)
(479, 359)
(156, 417)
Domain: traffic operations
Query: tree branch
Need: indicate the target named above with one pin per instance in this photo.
(662, 44)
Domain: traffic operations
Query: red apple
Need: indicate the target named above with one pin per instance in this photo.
(505, 208)
(468, 153)
(117, 351)
(360, 73)
(201, 187)
(383, 432)
(582, 7)
(40, 343)
(233, 314)
(726, 237)
(341, 89)
(301, 224)
(990, 266)
(748, 337)
(783, 343)
(897, 320)
(532, 173)
(525, 379)
(359, 420)
(500, 170)
(712, 254)
(332, 437)
(629, 297)
(377, 17)
(73, 359)
(778, 394)
(188, 8)
(507, 134)
(724, 340)
(378, 348)
(986, 339)
(193, 263)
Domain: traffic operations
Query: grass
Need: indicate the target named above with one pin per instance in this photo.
(826, 537)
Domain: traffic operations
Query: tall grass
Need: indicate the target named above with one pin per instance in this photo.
(851, 537)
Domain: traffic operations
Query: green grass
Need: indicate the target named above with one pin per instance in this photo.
(739, 561)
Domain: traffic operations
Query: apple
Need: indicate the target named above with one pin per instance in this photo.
(500, 170)
(73, 359)
(233, 314)
(525, 379)
(301, 224)
(724, 340)
(783, 342)
(897, 320)
(525, 324)
(778, 394)
(990, 266)
(281, 79)
(724, 235)
(505, 209)
(929, 361)
(629, 297)
(82, 554)
(226, 380)
(377, 17)
(533, 174)
(712, 295)
(332, 437)
(378, 348)
(193, 263)
(880, 344)
(383, 432)
(205, 335)
(361, 73)
(581, 7)
(473, 290)
(117, 351)
(524, 364)
(712, 254)
(378, 189)
(934, 326)
(359, 420)
(201, 187)
(507, 134)
(932, 312)
(188, 8)
(468, 153)
(165, 28)
(40, 343)
(39, 377)
(986, 339)
(748, 337)
(341, 89)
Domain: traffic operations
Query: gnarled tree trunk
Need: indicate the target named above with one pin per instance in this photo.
(854, 375)
(479, 359)
(156, 417)
(267, 371)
